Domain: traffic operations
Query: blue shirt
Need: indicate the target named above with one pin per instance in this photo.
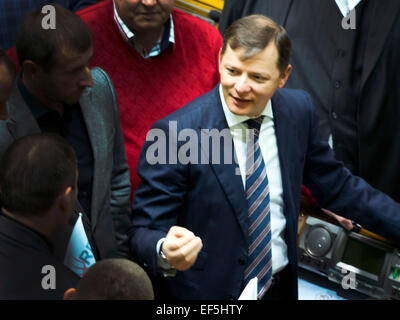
(12, 13)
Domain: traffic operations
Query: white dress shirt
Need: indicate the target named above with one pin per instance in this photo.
(346, 6)
(269, 150)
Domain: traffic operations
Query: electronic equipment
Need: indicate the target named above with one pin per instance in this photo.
(335, 253)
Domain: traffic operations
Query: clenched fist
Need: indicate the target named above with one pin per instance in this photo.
(181, 248)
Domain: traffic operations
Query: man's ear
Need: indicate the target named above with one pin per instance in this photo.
(285, 76)
(30, 68)
(70, 294)
(219, 61)
(68, 191)
(64, 200)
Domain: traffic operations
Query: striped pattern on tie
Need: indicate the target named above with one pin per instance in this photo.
(257, 194)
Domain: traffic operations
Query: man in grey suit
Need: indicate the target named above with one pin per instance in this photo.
(57, 92)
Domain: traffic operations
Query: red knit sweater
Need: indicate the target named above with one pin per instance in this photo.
(148, 90)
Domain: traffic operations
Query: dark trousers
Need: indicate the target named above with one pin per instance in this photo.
(279, 289)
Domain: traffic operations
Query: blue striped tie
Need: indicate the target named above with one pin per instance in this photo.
(257, 193)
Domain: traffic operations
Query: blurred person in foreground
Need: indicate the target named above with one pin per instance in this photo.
(113, 279)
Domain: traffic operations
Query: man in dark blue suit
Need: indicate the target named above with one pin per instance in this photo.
(193, 213)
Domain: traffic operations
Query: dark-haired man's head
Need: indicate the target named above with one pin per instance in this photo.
(113, 279)
(38, 182)
(55, 62)
(7, 77)
(253, 34)
(253, 64)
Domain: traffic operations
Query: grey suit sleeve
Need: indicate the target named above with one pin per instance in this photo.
(120, 183)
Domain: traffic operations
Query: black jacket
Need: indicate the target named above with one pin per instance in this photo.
(376, 104)
(24, 253)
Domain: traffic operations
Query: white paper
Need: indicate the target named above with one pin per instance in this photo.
(250, 291)
(311, 291)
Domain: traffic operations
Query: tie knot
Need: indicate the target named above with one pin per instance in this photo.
(255, 124)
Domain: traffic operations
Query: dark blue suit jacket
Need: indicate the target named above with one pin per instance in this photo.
(209, 199)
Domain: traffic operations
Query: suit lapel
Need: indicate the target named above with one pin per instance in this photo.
(90, 116)
(282, 126)
(20, 121)
(229, 181)
(382, 22)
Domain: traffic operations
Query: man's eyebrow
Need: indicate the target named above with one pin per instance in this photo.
(261, 74)
(232, 66)
(76, 67)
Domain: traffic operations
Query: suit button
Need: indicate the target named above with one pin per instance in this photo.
(242, 262)
(334, 115)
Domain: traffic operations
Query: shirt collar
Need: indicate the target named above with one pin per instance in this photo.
(346, 6)
(167, 38)
(234, 119)
(36, 107)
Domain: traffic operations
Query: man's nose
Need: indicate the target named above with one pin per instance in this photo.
(87, 79)
(149, 3)
(242, 85)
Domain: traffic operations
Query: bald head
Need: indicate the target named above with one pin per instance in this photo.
(113, 279)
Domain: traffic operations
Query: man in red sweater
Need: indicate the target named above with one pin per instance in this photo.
(159, 58)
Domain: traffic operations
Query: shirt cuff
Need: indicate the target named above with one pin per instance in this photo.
(165, 268)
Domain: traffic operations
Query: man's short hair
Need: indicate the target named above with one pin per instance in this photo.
(254, 33)
(6, 61)
(115, 279)
(34, 170)
(42, 46)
